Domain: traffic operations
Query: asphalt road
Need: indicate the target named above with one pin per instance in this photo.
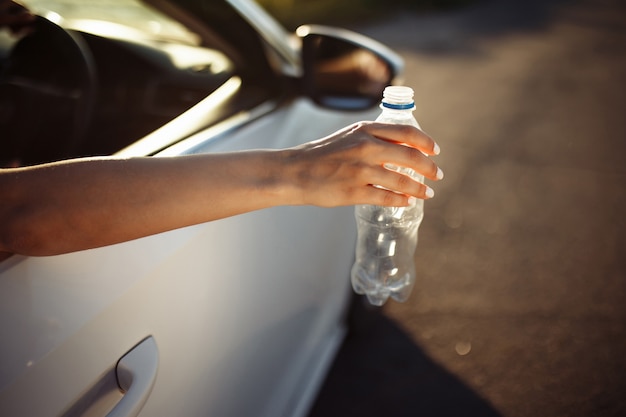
(520, 305)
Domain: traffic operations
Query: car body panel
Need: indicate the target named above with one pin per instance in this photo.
(252, 301)
(245, 314)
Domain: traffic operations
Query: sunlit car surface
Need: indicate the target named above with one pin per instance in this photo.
(237, 317)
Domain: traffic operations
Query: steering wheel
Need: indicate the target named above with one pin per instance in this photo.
(47, 95)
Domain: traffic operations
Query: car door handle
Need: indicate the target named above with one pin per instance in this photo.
(136, 373)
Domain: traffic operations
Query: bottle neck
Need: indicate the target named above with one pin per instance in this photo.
(402, 116)
(397, 108)
(385, 105)
(407, 112)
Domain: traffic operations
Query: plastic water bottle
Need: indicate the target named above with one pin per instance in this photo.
(387, 236)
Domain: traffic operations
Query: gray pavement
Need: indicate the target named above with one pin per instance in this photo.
(520, 304)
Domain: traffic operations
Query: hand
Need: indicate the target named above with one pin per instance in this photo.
(16, 17)
(343, 168)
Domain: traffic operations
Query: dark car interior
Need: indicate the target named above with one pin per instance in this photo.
(68, 92)
(91, 86)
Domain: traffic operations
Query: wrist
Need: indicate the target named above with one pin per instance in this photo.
(282, 180)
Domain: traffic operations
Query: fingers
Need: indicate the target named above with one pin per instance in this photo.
(404, 156)
(404, 134)
(399, 183)
(387, 158)
(380, 197)
(381, 146)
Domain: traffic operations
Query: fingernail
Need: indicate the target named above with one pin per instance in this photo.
(430, 193)
(436, 149)
(439, 175)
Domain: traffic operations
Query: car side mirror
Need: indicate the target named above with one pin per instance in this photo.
(345, 70)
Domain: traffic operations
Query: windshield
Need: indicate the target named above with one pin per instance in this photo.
(94, 15)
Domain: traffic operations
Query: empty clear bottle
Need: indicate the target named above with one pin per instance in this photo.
(387, 236)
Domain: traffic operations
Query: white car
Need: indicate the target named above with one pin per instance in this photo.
(237, 317)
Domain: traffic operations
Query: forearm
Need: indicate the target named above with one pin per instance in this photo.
(83, 204)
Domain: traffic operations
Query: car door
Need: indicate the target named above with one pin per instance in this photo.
(240, 310)
(235, 317)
